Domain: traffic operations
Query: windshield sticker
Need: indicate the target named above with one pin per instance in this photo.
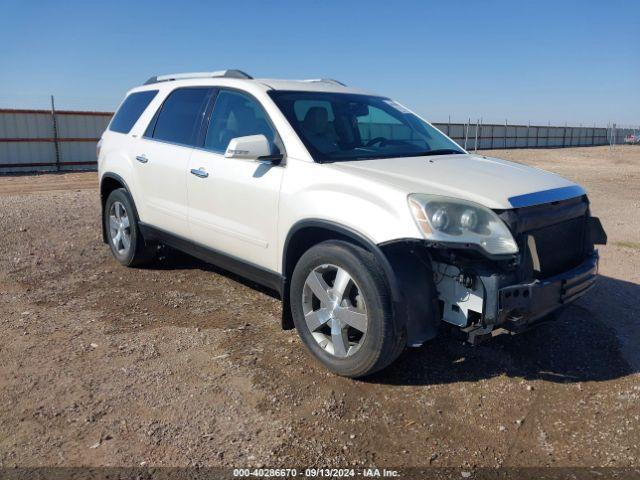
(397, 106)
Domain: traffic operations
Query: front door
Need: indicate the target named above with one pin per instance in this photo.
(233, 204)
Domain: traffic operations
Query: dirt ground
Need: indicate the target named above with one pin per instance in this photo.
(181, 364)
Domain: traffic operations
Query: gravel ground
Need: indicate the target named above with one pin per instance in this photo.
(181, 364)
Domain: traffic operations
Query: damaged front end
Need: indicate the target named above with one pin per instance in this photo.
(556, 264)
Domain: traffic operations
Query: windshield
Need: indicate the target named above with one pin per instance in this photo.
(341, 126)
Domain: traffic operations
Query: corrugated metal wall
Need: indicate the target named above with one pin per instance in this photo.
(28, 141)
(492, 136)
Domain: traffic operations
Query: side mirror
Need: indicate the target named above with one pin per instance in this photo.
(251, 147)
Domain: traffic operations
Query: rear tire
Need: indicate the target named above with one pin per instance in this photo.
(341, 307)
(123, 232)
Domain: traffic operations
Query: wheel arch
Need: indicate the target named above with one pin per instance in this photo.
(307, 233)
(405, 271)
(108, 183)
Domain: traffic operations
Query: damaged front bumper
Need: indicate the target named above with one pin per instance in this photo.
(520, 306)
(462, 286)
(557, 264)
(498, 301)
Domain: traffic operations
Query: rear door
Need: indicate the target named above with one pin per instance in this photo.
(233, 204)
(162, 158)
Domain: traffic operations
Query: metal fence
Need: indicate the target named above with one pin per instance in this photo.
(493, 136)
(49, 140)
(63, 140)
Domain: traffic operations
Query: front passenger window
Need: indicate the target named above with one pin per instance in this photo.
(237, 115)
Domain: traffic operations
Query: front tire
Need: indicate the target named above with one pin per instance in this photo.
(123, 232)
(341, 307)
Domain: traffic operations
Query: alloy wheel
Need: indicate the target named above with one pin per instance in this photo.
(119, 228)
(334, 310)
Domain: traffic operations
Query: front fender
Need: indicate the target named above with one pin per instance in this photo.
(369, 214)
(376, 211)
(407, 268)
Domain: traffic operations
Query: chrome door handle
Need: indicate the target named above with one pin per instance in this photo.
(142, 158)
(199, 172)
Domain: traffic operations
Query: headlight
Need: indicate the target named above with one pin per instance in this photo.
(444, 219)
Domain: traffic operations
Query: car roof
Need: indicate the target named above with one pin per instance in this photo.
(310, 85)
(239, 79)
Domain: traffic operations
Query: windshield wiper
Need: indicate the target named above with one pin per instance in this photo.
(440, 151)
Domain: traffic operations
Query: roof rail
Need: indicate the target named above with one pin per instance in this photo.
(182, 76)
(324, 80)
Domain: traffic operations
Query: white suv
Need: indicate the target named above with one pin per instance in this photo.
(372, 225)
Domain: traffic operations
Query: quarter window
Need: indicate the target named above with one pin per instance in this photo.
(180, 115)
(130, 111)
(237, 115)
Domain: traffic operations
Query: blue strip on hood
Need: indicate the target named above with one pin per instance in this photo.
(546, 196)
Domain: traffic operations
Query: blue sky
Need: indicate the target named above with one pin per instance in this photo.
(557, 61)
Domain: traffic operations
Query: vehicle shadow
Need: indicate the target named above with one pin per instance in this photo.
(171, 259)
(583, 344)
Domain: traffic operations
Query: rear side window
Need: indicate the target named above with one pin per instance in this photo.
(130, 111)
(180, 115)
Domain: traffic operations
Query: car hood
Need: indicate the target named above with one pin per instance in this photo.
(491, 182)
